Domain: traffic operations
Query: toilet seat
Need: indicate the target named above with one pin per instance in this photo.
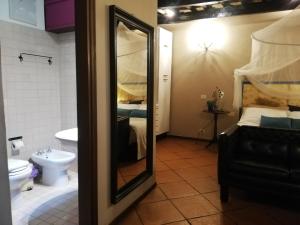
(23, 171)
(17, 167)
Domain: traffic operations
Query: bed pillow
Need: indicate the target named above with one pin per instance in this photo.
(124, 112)
(276, 122)
(286, 108)
(138, 113)
(294, 108)
(296, 124)
(294, 115)
(128, 106)
(143, 107)
(252, 115)
(135, 101)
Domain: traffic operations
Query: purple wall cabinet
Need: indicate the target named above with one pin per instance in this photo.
(59, 15)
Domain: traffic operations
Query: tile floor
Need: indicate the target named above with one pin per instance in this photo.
(128, 171)
(187, 193)
(49, 205)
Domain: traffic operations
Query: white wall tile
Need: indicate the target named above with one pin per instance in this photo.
(40, 99)
(68, 80)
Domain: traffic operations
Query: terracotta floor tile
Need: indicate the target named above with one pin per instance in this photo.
(211, 170)
(178, 164)
(252, 216)
(219, 219)
(202, 161)
(167, 176)
(184, 222)
(233, 203)
(174, 149)
(128, 178)
(177, 189)
(165, 156)
(240, 210)
(120, 181)
(161, 166)
(204, 185)
(130, 218)
(191, 173)
(132, 169)
(158, 213)
(194, 206)
(187, 154)
(155, 195)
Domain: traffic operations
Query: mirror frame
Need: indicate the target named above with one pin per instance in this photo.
(116, 14)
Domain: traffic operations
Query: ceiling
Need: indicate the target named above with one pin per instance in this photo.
(174, 11)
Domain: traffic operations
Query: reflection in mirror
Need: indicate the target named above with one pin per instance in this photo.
(132, 102)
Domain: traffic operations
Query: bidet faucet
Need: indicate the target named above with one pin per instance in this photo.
(49, 149)
(40, 152)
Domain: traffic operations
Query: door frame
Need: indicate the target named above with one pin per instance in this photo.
(86, 111)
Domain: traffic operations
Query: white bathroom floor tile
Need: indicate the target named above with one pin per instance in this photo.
(46, 205)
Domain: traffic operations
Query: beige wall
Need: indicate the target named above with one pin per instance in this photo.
(146, 11)
(196, 72)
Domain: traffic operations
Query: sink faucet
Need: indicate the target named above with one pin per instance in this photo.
(49, 150)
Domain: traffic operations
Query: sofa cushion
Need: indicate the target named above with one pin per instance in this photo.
(259, 169)
(295, 175)
(295, 161)
(296, 124)
(264, 152)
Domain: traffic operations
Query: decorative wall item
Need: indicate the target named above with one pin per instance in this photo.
(23, 11)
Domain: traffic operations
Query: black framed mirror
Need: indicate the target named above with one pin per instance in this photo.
(131, 70)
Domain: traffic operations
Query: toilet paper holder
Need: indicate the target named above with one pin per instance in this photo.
(15, 138)
(16, 144)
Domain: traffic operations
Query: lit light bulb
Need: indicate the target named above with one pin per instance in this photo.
(169, 13)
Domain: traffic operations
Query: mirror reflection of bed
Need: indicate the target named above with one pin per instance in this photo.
(131, 102)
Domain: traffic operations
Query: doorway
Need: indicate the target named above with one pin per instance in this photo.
(86, 119)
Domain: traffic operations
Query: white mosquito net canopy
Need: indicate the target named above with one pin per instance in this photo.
(132, 60)
(275, 58)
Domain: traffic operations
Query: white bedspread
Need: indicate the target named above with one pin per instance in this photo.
(139, 125)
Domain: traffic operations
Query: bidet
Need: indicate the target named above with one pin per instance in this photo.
(55, 165)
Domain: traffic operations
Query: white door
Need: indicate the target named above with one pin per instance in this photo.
(164, 87)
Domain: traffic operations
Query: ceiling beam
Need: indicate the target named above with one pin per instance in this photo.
(168, 3)
(225, 9)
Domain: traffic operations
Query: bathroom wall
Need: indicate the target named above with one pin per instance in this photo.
(32, 88)
(68, 101)
(5, 209)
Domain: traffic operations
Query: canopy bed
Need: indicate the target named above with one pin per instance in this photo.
(262, 151)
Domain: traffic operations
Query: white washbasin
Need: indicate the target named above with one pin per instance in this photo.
(68, 135)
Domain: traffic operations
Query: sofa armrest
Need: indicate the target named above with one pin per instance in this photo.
(229, 131)
(226, 143)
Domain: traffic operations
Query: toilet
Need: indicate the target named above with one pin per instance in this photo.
(19, 173)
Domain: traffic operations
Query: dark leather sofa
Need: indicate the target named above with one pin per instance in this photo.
(259, 159)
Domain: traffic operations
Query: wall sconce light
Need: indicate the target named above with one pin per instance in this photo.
(206, 35)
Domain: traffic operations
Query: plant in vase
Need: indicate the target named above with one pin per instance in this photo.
(216, 103)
